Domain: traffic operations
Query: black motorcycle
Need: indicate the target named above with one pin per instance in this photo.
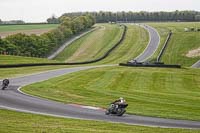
(116, 109)
(5, 84)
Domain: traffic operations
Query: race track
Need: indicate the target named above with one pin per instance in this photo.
(196, 65)
(154, 41)
(13, 99)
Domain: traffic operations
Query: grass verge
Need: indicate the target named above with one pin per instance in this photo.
(21, 71)
(24, 122)
(8, 59)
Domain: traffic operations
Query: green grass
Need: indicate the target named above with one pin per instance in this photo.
(6, 28)
(92, 45)
(21, 71)
(16, 122)
(8, 59)
(181, 42)
(135, 42)
(168, 93)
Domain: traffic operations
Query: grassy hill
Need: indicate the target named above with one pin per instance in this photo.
(92, 45)
(95, 44)
(16, 122)
(135, 42)
(181, 42)
(169, 93)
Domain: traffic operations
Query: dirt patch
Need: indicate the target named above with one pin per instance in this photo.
(193, 53)
(28, 32)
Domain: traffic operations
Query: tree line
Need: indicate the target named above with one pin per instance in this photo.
(41, 46)
(140, 16)
(12, 22)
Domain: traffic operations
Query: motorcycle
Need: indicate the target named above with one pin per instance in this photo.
(5, 84)
(116, 109)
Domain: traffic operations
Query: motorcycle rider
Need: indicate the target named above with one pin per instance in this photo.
(118, 102)
(5, 83)
(117, 107)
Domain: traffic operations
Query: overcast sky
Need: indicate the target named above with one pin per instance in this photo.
(40, 10)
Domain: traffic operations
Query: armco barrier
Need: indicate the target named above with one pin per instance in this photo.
(164, 47)
(150, 65)
(30, 64)
(71, 63)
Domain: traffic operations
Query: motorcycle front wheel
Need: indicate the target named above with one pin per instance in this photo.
(107, 112)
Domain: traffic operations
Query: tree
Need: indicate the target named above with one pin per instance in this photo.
(138, 16)
(6, 46)
(66, 21)
(67, 32)
(197, 18)
(2, 45)
(53, 20)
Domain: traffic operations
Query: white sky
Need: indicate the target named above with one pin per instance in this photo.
(40, 10)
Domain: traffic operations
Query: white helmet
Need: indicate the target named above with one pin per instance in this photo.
(121, 98)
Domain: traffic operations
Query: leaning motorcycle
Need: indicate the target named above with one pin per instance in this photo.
(5, 84)
(116, 109)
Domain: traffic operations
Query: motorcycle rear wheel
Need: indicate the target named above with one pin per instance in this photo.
(120, 112)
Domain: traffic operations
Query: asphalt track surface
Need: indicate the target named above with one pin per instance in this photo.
(13, 99)
(152, 46)
(196, 65)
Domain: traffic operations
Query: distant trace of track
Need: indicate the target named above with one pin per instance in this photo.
(196, 65)
(13, 99)
(152, 46)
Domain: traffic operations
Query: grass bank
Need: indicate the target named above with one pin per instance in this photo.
(134, 43)
(92, 45)
(181, 42)
(168, 93)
